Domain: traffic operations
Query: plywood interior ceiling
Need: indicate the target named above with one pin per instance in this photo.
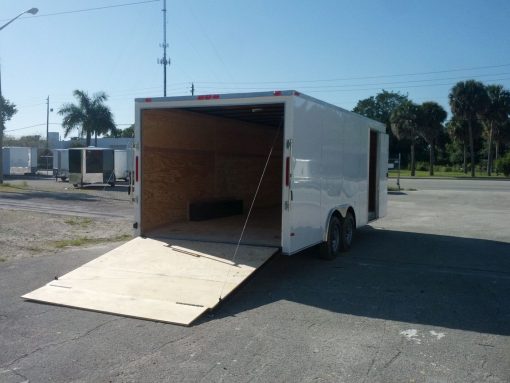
(263, 114)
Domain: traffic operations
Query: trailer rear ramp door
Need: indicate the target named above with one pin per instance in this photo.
(172, 281)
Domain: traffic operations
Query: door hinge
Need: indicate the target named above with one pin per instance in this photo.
(288, 144)
(287, 205)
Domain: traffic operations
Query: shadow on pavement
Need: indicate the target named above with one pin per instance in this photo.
(27, 194)
(452, 282)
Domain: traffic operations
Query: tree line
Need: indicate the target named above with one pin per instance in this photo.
(479, 124)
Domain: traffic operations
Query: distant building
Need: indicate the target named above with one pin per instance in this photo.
(53, 140)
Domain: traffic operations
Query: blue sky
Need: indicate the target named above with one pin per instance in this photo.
(337, 51)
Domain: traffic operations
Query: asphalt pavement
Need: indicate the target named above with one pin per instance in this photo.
(423, 296)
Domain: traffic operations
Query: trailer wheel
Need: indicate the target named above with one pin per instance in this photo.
(347, 231)
(331, 248)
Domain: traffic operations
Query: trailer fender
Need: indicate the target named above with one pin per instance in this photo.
(342, 211)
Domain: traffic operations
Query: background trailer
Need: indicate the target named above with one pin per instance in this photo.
(91, 165)
(61, 164)
(19, 160)
(123, 159)
(221, 183)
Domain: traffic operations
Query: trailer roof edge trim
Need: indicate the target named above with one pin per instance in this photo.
(276, 94)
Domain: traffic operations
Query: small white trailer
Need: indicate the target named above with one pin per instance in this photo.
(221, 183)
(19, 160)
(91, 166)
(61, 164)
(123, 163)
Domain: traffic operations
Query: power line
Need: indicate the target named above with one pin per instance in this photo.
(26, 127)
(95, 9)
(327, 89)
(363, 77)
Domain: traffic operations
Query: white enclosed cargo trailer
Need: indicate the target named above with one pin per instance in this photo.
(19, 160)
(61, 164)
(221, 183)
(324, 162)
(123, 163)
(91, 165)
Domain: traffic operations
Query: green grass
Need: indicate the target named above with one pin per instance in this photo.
(84, 241)
(79, 221)
(10, 188)
(392, 188)
(455, 174)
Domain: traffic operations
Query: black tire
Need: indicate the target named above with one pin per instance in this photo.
(348, 228)
(331, 248)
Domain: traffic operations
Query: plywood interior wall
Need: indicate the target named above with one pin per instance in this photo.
(190, 157)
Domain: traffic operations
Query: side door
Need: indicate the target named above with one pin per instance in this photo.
(305, 183)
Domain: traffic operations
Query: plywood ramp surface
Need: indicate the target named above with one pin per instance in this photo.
(165, 280)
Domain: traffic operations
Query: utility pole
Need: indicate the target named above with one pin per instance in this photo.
(164, 61)
(1, 132)
(47, 123)
(192, 89)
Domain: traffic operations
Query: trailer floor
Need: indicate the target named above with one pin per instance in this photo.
(263, 229)
(164, 280)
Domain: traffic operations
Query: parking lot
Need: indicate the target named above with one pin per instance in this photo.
(423, 296)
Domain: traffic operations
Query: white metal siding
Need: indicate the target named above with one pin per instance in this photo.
(305, 207)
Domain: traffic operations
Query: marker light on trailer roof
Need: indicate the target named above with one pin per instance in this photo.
(208, 97)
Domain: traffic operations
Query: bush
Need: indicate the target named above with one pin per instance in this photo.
(421, 166)
(503, 165)
(443, 168)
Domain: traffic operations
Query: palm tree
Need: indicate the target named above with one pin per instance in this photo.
(100, 127)
(496, 114)
(432, 116)
(458, 132)
(404, 125)
(89, 116)
(469, 101)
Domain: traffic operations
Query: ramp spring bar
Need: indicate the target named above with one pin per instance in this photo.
(253, 202)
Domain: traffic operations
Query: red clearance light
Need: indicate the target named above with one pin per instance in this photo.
(287, 171)
(136, 168)
(148, 99)
(208, 97)
(277, 93)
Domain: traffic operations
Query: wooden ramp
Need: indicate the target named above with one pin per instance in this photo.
(164, 280)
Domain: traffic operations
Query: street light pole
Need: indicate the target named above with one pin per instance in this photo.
(31, 11)
(47, 123)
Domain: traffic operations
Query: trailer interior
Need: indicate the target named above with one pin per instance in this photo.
(201, 169)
